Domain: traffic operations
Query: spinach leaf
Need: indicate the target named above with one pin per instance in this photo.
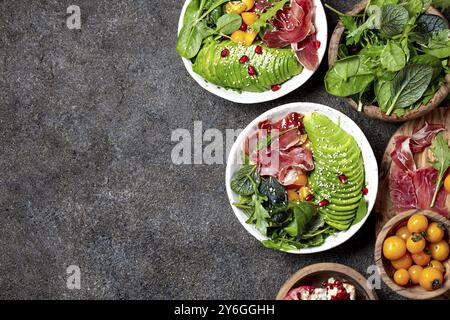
(427, 24)
(347, 77)
(409, 85)
(441, 152)
(414, 7)
(281, 245)
(430, 60)
(441, 4)
(214, 16)
(383, 93)
(228, 23)
(393, 19)
(303, 213)
(192, 11)
(189, 41)
(393, 58)
(361, 212)
(275, 193)
(312, 228)
(242, 183)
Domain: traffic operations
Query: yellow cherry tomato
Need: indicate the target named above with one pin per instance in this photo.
(421, 258)
(440, 250)
(238, 37)
(248, 4)
(431, 279)
(401, 277)
(414, 273)
(293, 195)
(235, 7)
(304, 192)
(403, 263)
(394, 248)
(301, 180)
(415, 243)
(437, 265)
(447, 183)
(250, 36)
(417, 223)
(435, 232)
(403, 233)
(249, 17)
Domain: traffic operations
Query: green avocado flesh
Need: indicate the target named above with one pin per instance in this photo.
(335, 153)
(273, 66)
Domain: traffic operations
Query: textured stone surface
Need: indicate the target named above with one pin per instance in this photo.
(85, 170)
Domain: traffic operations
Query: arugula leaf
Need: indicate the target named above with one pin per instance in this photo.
(393, 19)
(268, 15)
(243, 179)
(260, 215)
(409, 85)
(393, 57)
(372, 22)
(281, 245)
(439, 44)
(441, 152)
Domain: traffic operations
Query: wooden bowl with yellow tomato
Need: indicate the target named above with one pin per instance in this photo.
(412, 254)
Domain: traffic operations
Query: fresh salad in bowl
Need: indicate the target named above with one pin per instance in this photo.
(302, 180)
(249, 45)
(394, 55)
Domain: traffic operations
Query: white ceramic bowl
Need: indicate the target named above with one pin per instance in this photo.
(370, 165)
(296, 82)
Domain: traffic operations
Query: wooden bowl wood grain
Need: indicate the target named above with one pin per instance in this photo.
(374, 111)
(385, 268)
(317, 273)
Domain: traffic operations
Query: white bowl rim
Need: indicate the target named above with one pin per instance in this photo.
(321, 24)
(370, 167)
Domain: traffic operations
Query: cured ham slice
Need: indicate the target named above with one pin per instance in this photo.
(276, 149)
(409, 187)
(294, 26)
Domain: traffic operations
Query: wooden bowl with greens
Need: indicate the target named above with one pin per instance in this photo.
(390, 59)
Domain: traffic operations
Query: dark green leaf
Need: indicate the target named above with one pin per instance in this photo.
(409, 85)
(361, 212)
(303, 213)
(427, 24)
(393, 19)
(189, 41)
(192, 12)
(275, 193)
(430, 60)
(241, 183)
(228, 23)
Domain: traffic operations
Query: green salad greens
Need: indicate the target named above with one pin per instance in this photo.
(395, 55)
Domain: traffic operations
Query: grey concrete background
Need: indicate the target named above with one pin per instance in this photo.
(85, 171)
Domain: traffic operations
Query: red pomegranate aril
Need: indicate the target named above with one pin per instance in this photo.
(343, 178)
(225, 52)
(309, 197)
(258, 49)
(317, 44)
(251, 71)
(365, 191)
(276, 87)
(324, 203)
(243, 27)
(243, 59)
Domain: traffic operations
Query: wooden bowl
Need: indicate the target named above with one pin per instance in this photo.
(315, 274)
(374, 111)
(385, 268)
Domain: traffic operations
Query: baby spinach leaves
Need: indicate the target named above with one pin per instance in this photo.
(409, 85)
(393, 57)
(303, 213)
(228, 23)
(393, 19)
(348, 76)
(243, 180)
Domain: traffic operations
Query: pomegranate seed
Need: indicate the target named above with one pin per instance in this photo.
(324, 203)
(251, 71)
(224, 53)
(365, 191)
(343, 178)
(258, 49)
(309, 197)
(243, 27)
(276, 87)
(243, 59)
(317, 44)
